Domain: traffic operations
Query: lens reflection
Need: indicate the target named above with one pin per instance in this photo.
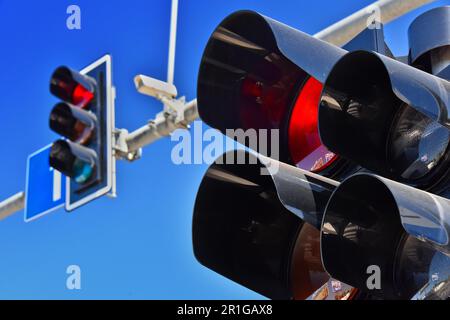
(82, 171)
(413, 265)
(308, 278)
(416, 144)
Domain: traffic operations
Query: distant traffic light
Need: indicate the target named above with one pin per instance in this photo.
(257, 73)
(262, 231)
(85, 120)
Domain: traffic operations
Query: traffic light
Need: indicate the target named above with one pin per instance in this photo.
(261, 230)
(392, 118)
(393, 122)
(402, 231)
(84, 118)
(257, 73)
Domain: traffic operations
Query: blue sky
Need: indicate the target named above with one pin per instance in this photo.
(137, 246)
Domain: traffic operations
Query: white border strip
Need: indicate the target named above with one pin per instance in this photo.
(108, 187)
(172, 41)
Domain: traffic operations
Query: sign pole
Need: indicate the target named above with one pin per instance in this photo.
(172, 41)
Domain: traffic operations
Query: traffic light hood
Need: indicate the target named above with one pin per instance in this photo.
(247, 218)
(361, 97)
(250, 56)
(429, 31)
(374, 221)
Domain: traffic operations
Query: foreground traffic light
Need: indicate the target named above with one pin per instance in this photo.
(257, 73)
(338, 113)
(373, 221)
(85, 120)
(388, 117)
(257, 224)
(391, 118)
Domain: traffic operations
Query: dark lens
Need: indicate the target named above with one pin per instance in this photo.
(61, 158)
(307, 274)
(416, 144)
(413, 266)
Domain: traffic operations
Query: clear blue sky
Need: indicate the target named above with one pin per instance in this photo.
(137, 246)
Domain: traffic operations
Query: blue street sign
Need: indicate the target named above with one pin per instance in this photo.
(45, 187)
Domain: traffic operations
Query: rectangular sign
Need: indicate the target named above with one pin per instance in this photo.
(45, 188)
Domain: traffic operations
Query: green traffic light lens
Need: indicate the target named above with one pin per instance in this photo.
(73, 160)
(82, 171)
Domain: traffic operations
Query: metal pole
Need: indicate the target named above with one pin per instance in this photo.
(12, 205)
(161, 127)
(383, 11)
(172, 41)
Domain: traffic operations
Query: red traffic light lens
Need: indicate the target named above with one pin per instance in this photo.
(266, 93)
(81, 96)
(305, 147)
(72, 87)
(266, 97)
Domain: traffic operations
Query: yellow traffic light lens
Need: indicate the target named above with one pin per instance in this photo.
(73, 123)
